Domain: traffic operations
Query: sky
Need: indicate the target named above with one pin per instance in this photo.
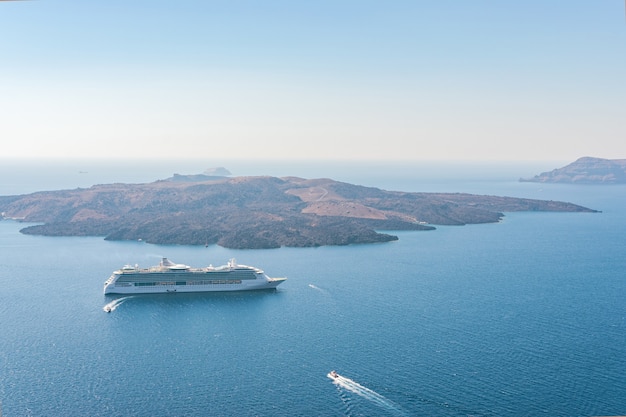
(307, 80)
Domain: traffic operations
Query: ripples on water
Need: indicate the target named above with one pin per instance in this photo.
(525, 317)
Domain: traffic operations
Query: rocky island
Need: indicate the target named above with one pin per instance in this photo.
(586, 170)
(254, 212)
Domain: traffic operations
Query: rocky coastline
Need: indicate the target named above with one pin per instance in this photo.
(254, 212)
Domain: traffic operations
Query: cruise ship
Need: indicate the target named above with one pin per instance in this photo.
(171, 277)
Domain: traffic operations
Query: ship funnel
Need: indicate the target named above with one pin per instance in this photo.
(167, 262)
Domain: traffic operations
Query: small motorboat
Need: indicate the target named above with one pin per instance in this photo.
(333, 375)
(107, 309)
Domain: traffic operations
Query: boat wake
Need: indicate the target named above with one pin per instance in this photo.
(320, 290)
(348, 384)
(109, 307)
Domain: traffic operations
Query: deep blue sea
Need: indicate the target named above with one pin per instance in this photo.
(526, 317)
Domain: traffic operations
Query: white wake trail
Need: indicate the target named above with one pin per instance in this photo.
(316, 288)
(109, 307)
(364, 392)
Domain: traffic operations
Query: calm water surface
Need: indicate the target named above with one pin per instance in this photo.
(524, 317)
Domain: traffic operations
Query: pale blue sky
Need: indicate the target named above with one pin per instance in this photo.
(411, 80)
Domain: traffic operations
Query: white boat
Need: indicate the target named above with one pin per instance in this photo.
(169, 277)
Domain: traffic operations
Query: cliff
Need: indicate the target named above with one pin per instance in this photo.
(586, 170)
(254, 212)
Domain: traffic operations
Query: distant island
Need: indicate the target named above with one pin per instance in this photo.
(586, 170)
(254, 212)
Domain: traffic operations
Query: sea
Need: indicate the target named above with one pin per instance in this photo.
(525, 317)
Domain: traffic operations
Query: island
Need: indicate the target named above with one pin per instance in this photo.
(586, 170)
(254, 212)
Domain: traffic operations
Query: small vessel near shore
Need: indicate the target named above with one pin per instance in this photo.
(169, 277)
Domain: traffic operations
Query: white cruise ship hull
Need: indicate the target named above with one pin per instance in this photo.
(174, 278)
(113, 289)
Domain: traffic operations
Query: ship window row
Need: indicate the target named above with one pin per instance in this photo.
(213, 282)
(152, 284)
(170, 277)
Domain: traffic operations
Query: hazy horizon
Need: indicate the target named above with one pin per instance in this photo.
(49, 174)
(278, 80)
